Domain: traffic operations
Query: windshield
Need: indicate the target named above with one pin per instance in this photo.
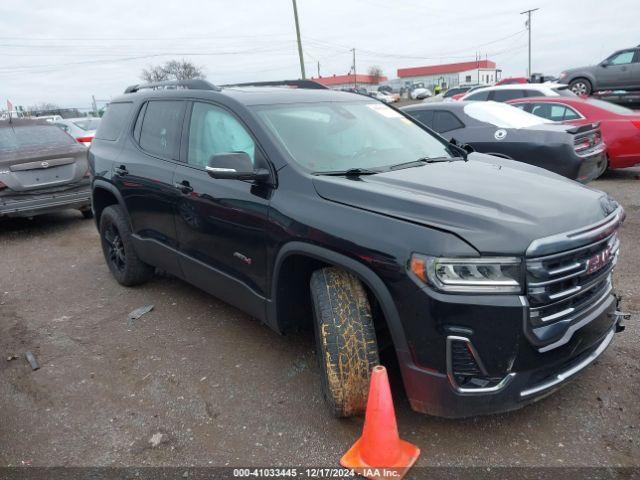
(502, 115)
(611, 107)
(88, 123)
(331, 136)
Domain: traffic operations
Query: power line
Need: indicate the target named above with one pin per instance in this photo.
(528, 23)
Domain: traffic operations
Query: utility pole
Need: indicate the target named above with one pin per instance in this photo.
(529, 12)
(295, 16)
(355, 78)
(318, 69)
(94, 105)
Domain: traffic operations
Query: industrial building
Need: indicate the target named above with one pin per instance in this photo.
(451, 74)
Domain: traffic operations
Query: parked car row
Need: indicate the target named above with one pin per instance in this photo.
(576, 152)
(618, 126)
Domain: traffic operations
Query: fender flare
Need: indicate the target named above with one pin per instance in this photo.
(111, 188)
(364, 273)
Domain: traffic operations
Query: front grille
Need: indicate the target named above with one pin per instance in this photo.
(563, 285)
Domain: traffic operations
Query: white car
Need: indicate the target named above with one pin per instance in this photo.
(502, 93)
(83, 129)
(420, 93)
(385, 97)
(49, 118)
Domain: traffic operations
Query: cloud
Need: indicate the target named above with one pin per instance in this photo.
(67, 51)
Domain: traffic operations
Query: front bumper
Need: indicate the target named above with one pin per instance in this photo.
(435, 394)
(471, 354)
(29, 206)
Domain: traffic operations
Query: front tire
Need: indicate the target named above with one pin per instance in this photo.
(581, 87)
(345, 339)
(115, 235)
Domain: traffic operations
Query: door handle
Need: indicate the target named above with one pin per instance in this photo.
(121, 170)
(183, 186)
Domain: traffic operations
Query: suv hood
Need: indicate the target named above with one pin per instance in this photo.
(498, 206)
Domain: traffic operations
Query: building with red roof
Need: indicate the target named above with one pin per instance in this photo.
(452, 74)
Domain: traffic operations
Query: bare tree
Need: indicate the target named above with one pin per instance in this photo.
(376, 73)
(43, 106)
(173, 70)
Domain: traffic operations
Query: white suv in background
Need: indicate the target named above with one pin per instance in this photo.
(502, 93)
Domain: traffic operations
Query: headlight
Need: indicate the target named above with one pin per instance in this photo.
(469, 275)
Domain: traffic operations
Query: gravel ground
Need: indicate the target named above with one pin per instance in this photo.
(197, 382)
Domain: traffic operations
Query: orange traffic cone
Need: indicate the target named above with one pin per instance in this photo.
(379, 453)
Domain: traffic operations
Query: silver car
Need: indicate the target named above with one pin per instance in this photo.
(620, 71)
(82, 129)
(42, 169)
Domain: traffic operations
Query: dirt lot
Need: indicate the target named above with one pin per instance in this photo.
(210, 386)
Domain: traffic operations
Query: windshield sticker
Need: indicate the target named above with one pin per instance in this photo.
(384, 110)
(500, 134)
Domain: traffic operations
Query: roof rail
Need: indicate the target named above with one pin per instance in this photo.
(173, 85)
(308, 84)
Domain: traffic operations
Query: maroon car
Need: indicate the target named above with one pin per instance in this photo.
(42, 169)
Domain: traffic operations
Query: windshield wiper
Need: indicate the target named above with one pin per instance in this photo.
(351, 172)
(422, 161)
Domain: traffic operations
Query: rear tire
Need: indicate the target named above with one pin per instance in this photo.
(345, 339)
(115, 235)
(581, 87)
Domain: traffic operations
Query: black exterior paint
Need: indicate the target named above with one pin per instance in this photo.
(547, 146)
(368, 225)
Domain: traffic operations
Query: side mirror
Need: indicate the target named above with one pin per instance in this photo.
(604, 63)
(235, 166)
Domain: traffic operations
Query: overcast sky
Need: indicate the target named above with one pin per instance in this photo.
(65, 51)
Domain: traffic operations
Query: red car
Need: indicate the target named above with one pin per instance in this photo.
(620, 126)
(512, 80)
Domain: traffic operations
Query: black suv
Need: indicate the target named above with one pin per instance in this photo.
(491, 279)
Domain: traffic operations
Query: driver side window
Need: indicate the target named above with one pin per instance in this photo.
(622, 58)
(213, 130)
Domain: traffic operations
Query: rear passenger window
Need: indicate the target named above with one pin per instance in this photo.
(423, 116)
(113, 121)
(504, 95)
(556, 113)
(446, 121)
(480, 96)
(161, 128)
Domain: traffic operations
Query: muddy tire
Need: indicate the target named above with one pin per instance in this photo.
(345, 339)
(115, 236)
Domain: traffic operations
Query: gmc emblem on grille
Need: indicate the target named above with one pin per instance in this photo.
(598, 261)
